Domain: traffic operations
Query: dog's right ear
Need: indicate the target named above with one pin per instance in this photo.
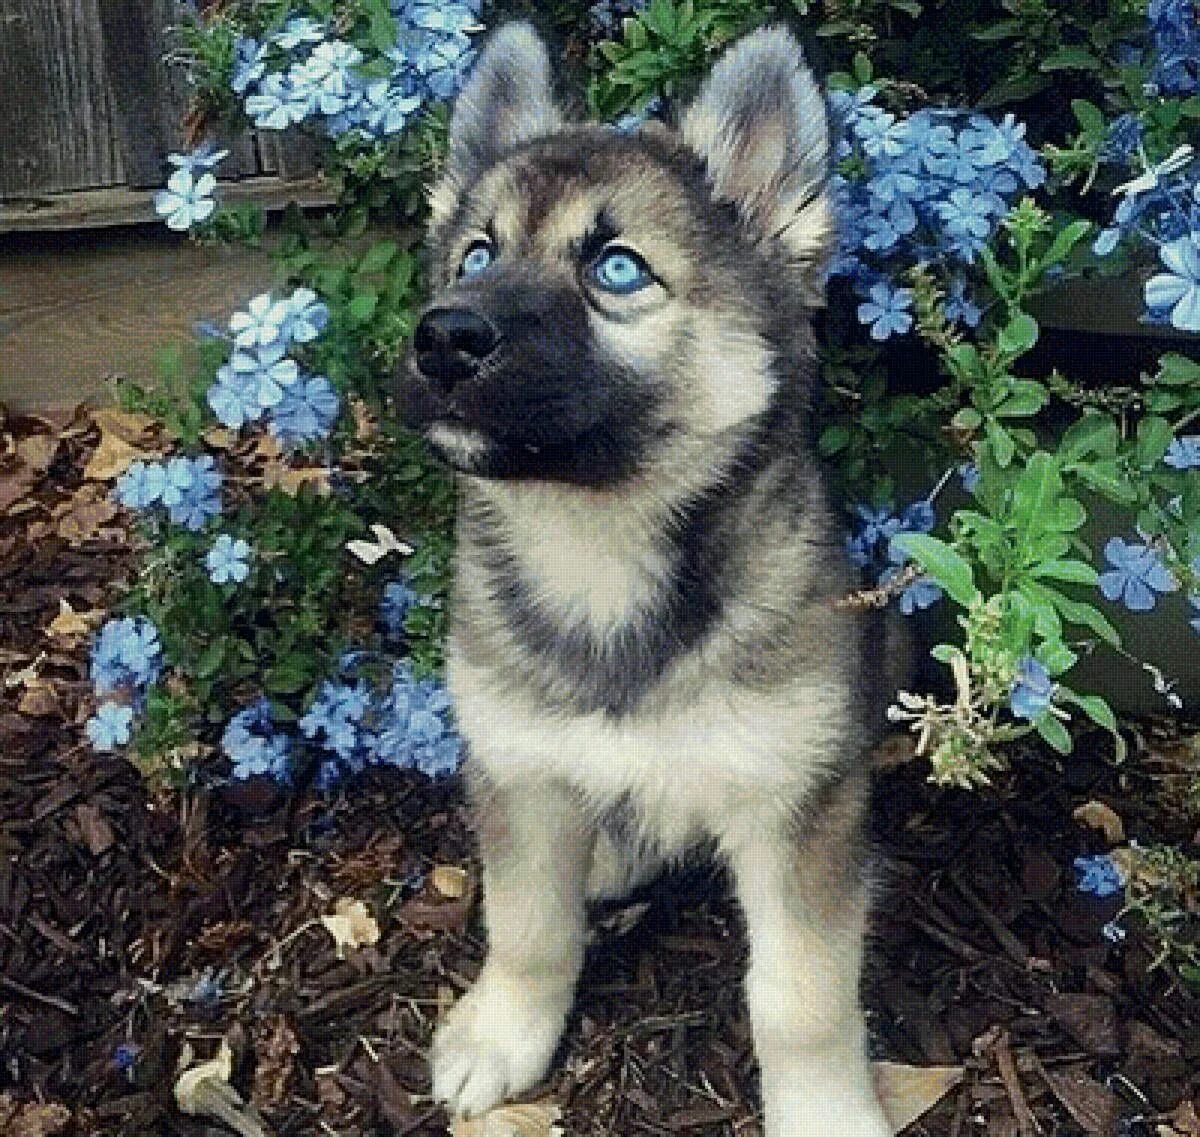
(507, 100)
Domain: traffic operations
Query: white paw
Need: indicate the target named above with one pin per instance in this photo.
(496, 1041)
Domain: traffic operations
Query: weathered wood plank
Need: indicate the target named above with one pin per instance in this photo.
(90, 209)
(148, 107)
(79, 307)
(56, 130)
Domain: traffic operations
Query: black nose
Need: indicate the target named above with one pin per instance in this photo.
(451, 342)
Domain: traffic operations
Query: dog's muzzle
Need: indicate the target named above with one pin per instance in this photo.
(450, 345)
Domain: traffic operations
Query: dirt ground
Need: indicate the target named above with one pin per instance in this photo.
(138, 929)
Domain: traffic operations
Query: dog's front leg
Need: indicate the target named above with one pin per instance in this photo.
(805, 911)
(499, 1038)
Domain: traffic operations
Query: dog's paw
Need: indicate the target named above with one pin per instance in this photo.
(496, 1041)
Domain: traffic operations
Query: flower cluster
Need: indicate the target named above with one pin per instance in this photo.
(254, 746)
(126, 658)
(350, 725)
(1176, 28)
(927, 189)
(871, 548)
(260, 378)
(1099, 875)
(1161, 208)
(305, 73)
(399, 598)
(189, 489)
(188, 198)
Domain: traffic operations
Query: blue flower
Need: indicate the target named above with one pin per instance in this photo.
(205, 157)
(1184, 452)
(234, 397)
(177, 480)
(108, 728)
(415, 729)
(1098, 875)
(307, 411)
(1136, 576)
(249, 63)
(228, 560)
(337, 714)
(126, 653)
(969, 473)
(141, 485)
(278, 105)
(261, 323)
(1123, 139)
(886, 311)
(918, 517)
(298, 30)
(1178, 291)
(267, 369)
(959, 306)
(398, 599)
(251, 743)
(921, 593)
(386, 109)
(201, 499)
(1194, 601)
(306, 316)
(329, 77)
(186, 200)
(1031, 690)
(125, 1056)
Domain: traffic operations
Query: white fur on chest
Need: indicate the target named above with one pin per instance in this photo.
(688, 770)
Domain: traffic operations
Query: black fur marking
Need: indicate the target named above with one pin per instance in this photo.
(615, 672)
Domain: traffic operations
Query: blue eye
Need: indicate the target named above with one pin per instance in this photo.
(477, 258)
(621, 271)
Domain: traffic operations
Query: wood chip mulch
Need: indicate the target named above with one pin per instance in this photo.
(139, 928)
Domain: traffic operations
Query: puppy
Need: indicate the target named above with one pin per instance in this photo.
(645, 660)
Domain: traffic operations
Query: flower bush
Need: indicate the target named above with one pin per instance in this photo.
(280, 628)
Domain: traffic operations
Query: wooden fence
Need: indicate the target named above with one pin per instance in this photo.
(89, 106)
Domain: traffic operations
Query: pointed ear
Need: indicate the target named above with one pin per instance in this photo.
(759, 122)
(507, 100)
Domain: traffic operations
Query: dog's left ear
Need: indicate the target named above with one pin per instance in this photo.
(507, 100)
(759, 122)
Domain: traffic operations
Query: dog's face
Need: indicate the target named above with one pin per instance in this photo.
(596, 294)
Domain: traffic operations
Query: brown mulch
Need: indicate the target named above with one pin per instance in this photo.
(134, 925)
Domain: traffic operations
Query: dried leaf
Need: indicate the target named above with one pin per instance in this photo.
(289, 479)
(907, 1092)
(351, 925)
(37, 451)
(1093, 1106)
(1097, 815)
(274, 1066)
(97, 833)
(112, 458)
(219, 437)
(203, 1090)
(68, 622)
(369, 552)
(15, 485)
(39, 701)
(449, 881)
(1185, 1119)
(83, 517)
(28, 675)
(132, 426)
(32, 1119)
(533, 1119)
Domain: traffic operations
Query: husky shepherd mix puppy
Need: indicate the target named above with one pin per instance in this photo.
(644, 655)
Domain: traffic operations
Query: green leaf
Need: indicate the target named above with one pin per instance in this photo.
(1072, 57)
(210, 660)
(1092, 434)
(942, 562)
(1066, 515)
(1177, 370)
(1052, 731)
(1154, 436)
(1064, 241)
(1085, 615)
(362, 306)
(378, 257)
(1036, 487)
(1026, 398)
(1101, 714)
(834, 438)
(1055, 656)
(1018, 335)
(1089, 116)
(1003, 446)
(1070, 571)
(1109, 478)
